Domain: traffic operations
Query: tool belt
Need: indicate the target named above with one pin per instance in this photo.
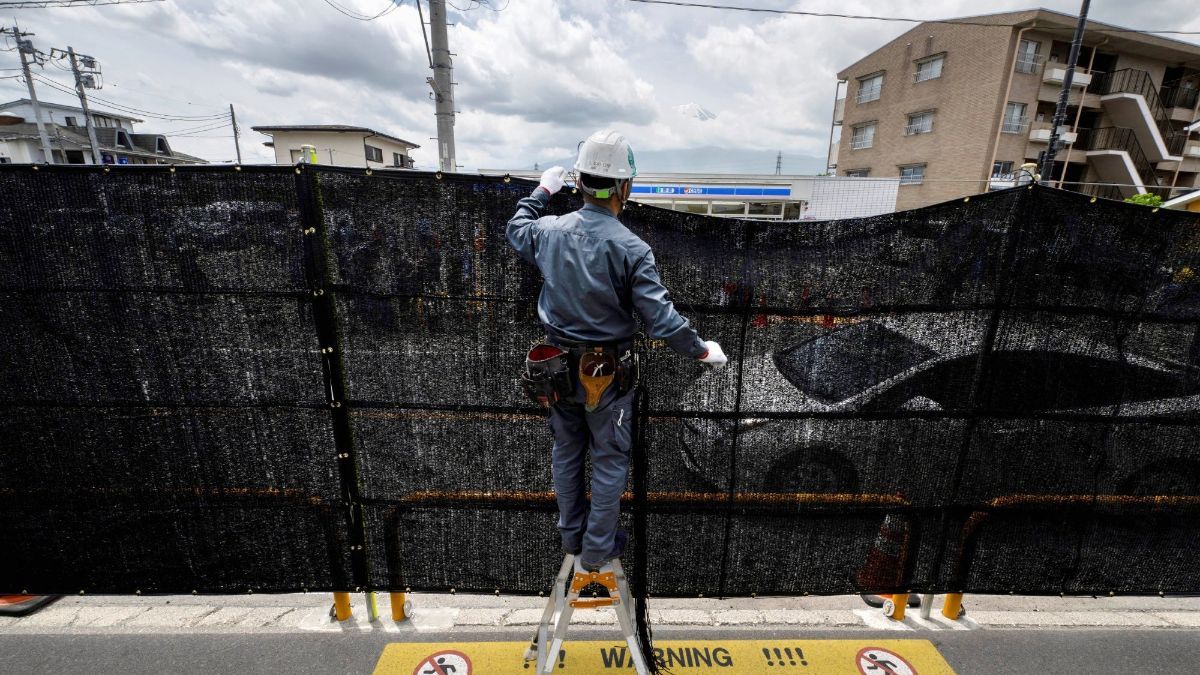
(551, 371)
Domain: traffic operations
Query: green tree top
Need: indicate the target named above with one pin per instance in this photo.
(1146, 199)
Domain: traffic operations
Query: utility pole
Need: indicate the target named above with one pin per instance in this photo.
(779, 163)
(237, 142)
(25, 48)
(1060, 113)
(80, 84)
(442, 83)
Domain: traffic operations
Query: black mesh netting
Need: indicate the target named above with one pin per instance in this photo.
(281, 378)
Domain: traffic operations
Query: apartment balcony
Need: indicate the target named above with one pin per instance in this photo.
(839, 110)
(1040, 133)
(1119, 158)
(1054, 73)
(1132, 101)
(1180, 100)
(1190, 161)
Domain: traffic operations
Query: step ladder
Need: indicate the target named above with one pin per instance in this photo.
(564, 600)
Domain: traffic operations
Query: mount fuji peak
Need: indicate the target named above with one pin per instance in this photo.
(695, 110)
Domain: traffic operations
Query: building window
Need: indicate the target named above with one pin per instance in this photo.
(1001, 169)
(1014, 118)
(71, 121)
(864, 136)
(869, 87)
(762, 209)
(692, 207)
(929, 68)
(913, 174)
(728, 209)
(374, 154)
(398, 160)
(857, 173)
(1028, 56)
(919, 123)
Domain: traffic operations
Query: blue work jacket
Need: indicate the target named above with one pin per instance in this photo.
(597, 273)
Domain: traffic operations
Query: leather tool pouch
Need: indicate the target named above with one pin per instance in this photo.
(597, 370)
(547, 376)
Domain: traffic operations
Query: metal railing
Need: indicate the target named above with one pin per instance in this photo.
(1139, 82)
(1015, 125)
(918, 128)
(868, 95)
(1124, 140)
(1175, 95)
(1028, 63)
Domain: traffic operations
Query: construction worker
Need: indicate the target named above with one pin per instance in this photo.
(597, 273)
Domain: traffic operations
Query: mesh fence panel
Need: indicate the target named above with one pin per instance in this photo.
(279, 379)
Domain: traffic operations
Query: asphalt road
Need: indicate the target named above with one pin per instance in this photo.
(986, 652)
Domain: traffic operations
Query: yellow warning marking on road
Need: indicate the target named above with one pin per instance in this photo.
(729, 657)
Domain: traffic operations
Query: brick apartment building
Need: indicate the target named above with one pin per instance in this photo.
(972, 100)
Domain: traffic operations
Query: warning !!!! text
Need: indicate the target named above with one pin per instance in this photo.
(671, 657)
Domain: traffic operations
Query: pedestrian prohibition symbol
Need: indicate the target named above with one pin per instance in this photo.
(682, 657)
(879, 661)
(446, 662)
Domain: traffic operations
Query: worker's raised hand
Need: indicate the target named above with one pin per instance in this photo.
(714, 358)
(553, 179)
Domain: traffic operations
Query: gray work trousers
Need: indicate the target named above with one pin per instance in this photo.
(608, 434)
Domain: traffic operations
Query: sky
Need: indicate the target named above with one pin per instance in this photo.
(534, 76)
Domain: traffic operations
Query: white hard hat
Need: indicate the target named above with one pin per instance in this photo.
(606, 154)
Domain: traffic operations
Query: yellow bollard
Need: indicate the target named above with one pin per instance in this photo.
(398, 613)
(341, 606)
(952, 607)
(899, 603)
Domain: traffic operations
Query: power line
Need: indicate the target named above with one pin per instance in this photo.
(202, 127)
(143, 92)
(868, 17)
(43, 4)
(392, 5)
(476, 4)
(136, 111)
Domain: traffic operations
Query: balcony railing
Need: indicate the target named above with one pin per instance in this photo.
(1102, 191)
(1139, 82)
(861, 143)
(1055, 73)
(1174, 95)
(1039, 132)
(1125, 140)
(1014, 125)
(1028, 63)
(921, 128)
(868, 95)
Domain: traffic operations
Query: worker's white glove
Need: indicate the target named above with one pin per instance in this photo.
(714, 358)
(553, 179)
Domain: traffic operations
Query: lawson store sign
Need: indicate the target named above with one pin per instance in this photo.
(710, 191)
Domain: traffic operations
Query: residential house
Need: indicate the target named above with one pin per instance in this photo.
(339, 145)
(69, 143)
